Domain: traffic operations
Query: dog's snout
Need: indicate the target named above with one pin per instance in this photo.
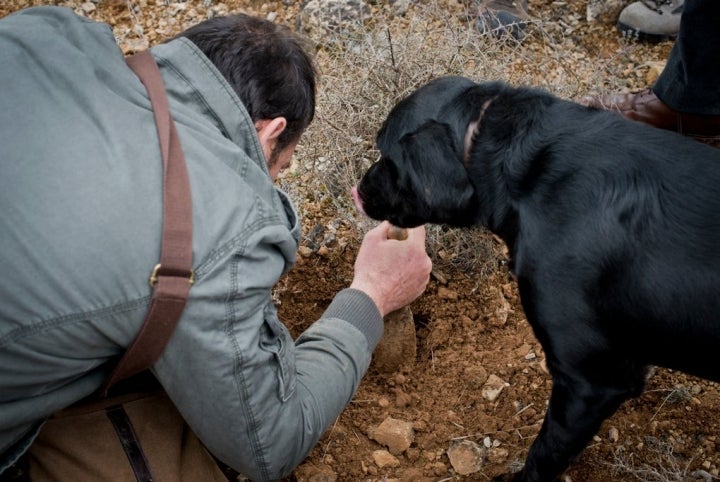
(357, 199)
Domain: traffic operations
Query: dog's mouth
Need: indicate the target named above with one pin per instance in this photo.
(373, 205)
(357, 199)
(473, 129)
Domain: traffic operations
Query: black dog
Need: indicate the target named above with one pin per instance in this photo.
(613, 229)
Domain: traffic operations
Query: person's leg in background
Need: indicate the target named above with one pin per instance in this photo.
(690, 81)
(686, 96)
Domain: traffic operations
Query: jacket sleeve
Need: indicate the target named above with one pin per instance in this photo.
(257, 399)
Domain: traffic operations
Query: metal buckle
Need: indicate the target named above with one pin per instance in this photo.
(154, 276)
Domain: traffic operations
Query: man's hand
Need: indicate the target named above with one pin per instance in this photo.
(392, 273)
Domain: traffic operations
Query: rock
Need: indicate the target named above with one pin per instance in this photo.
(413, 474)
(475, 376)
(428, 455)
(439, 469)
(497, 455)
(604, 11)
(402, 399)
(420, 426)
(310, 472)
(466, 457)
(655, 68)
(439, 276)
(176, 8)
(400, 7)
(383, 458)
(398, 345)
(323, 18)
(492, 388)
(87, 7)
(702, 475)
(136, 45)
(523, 350)
(396, 435)
(447, 294)
(500, 316)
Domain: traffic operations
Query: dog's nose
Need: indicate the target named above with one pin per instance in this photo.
(356, 199)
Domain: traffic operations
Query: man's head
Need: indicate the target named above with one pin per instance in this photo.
(271, 72)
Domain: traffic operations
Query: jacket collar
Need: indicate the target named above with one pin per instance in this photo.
(191, 78)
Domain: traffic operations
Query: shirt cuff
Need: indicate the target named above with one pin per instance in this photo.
(358, 309)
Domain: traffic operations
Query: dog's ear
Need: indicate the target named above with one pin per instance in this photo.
(433, 171)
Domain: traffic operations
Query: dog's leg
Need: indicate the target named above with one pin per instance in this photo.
(578, 406)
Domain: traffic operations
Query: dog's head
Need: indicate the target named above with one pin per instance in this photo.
(420, 177)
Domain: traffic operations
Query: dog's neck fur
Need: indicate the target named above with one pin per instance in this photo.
(473, 128)
(501, 220)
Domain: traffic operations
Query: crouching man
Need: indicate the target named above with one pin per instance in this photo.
(81, 191)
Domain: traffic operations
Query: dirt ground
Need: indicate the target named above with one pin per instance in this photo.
(470, 329)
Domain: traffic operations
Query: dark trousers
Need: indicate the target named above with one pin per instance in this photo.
(690, 81)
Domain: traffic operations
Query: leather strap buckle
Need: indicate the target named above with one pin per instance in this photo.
(156, 272)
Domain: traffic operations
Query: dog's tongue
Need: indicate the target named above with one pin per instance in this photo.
(356, 198)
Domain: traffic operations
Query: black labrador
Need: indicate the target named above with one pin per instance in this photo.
(613, 229)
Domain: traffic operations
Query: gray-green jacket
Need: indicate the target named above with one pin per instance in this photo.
(80, 215)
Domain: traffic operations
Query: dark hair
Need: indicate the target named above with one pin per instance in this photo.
(266, 64)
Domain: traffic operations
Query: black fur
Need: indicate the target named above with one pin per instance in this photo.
(613, 229)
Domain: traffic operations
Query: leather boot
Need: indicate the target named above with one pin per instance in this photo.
(645, 107)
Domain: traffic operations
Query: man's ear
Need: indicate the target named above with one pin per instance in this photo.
(268, 131)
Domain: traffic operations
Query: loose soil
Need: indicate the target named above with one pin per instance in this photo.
(470, 327)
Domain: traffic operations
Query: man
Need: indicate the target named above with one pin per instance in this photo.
(686, 97)
(81, 191)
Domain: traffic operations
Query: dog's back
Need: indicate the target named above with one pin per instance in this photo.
(631, 214)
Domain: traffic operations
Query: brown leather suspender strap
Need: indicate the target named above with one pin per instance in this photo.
(172, 277)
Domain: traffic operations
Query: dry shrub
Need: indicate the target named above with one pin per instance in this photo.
(661, 465)
(368, 66)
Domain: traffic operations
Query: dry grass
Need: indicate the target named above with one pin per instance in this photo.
(662, 466)
(366, 67)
